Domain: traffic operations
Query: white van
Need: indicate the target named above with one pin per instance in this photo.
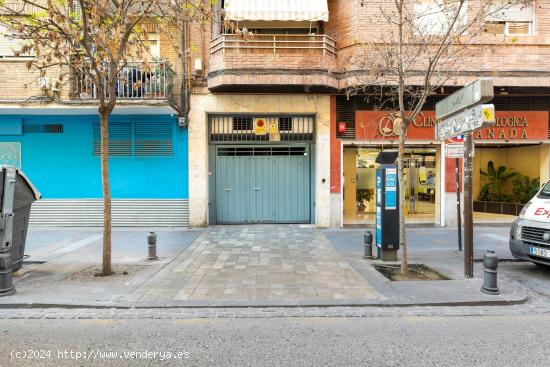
(530, 233)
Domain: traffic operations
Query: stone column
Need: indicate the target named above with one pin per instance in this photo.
(198, 162)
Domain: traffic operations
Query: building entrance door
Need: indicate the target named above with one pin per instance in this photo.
(359, 185)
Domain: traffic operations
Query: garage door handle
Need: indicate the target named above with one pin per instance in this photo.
(227, 190)
(256, 188)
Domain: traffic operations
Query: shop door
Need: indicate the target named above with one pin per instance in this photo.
(263, 184)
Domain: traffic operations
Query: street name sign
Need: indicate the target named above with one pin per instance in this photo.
(478, 92)
(472, 119)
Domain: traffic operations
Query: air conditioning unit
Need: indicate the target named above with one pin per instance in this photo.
(198, 66)
(44, 82)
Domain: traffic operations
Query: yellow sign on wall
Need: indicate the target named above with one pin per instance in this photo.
(259, 126)
(273, 128)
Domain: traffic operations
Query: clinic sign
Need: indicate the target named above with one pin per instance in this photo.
(509, 125)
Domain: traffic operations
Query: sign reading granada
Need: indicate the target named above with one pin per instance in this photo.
(510, 125)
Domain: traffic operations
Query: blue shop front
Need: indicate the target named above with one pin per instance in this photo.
(59, 150)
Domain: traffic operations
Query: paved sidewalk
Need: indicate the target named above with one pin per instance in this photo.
(261, 264)
(248, 266)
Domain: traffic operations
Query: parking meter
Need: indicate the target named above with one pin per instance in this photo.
(387, 207)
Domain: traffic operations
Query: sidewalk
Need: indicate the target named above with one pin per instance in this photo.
(247, 266)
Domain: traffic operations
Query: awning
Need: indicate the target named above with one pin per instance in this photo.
(296, 10)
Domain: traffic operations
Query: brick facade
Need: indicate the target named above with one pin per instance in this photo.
(512, 61)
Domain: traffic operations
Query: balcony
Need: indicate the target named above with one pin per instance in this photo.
(152, 80)
(277, 61)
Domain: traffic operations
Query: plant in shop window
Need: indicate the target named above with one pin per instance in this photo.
(524, 188)
(497, 179)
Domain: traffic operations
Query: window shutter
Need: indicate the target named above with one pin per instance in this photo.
(153, 139)
(120, 139)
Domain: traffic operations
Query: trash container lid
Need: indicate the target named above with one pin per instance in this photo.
(35, 192)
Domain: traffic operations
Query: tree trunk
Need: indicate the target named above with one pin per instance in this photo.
(104, 125)
(402, 232)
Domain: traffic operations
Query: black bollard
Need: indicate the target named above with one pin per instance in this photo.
(367, 238)
(152, 241)
(490, 265)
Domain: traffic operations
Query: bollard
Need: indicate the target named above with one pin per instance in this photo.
(490, 265)
(367, 238)
(152, 241)
(6, 278)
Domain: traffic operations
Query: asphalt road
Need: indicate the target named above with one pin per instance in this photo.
(520, 340)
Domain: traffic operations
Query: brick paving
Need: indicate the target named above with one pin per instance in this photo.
(257, 263)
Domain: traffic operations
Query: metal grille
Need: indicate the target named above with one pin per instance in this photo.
(242, 129)
(120, 139)
(153, 139)
(139, 139)
(242, 123)
(285, 123)
(345, 112)
(125, 213)
(261, 151)
(534, 234)
(43, 129)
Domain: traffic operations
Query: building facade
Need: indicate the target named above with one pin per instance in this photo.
(52, 133)
(262, 143)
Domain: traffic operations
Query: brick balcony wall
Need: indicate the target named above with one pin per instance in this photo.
(19, 83)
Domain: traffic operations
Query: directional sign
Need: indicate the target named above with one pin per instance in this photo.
(454, 150)
(473, 94)
(469, 120)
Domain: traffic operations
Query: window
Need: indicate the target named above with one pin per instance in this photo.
(153, 43)
(7, 44)
(136, 139)
(508, 28)
(515, 19)
(242, 123)
(434, 17)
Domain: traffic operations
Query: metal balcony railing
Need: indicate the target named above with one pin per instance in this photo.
(20, 7)
(274, 43)
(135, 81)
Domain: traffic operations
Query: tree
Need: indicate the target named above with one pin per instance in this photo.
(93, 39)
(176, 17)
(421, 47)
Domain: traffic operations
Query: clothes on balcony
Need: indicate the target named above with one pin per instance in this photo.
(302, 10)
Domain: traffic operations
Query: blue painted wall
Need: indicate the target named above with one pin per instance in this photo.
(63, 166)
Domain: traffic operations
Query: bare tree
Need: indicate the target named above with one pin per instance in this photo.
(176, 20)
(422, 46)
(91, 39)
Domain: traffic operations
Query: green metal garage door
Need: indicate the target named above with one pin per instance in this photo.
(263, 184)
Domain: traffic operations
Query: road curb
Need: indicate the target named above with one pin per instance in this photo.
(213, 305)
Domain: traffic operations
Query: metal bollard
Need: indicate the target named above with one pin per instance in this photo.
(152, 241)
(6, 277)
(490, 265)
(367, 238)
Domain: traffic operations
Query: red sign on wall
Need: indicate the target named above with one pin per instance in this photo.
(510, 125)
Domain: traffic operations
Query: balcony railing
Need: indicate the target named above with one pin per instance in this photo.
(135, 81)
(275, 44)
(22, 8)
